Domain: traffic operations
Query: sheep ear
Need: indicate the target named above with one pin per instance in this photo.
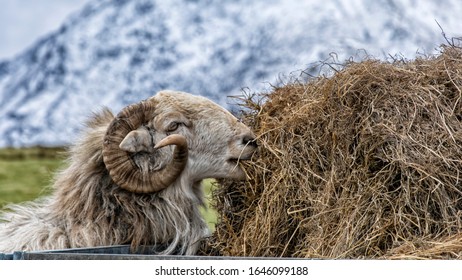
(137, 141)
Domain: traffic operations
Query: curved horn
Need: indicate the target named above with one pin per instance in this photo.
(174, 139)
(122, 169)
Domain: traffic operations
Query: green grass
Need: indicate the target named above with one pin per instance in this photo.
(210, 215)
(26, 174)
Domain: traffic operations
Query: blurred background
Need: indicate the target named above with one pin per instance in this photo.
(61, 60)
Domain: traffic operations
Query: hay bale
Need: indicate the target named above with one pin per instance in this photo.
(366, 163)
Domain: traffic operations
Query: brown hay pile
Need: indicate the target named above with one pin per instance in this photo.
(364, 164)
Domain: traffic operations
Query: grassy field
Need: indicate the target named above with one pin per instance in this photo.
(27, 173)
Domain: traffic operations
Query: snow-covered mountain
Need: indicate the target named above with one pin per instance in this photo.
(115, 52)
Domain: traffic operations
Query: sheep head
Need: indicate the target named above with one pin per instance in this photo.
(151, 144)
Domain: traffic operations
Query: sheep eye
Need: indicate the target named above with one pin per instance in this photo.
(173, 126)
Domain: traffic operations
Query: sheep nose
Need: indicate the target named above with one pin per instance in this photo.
(250, 141)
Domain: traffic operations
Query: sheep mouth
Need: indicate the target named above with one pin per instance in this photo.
(238, 163)
(237, 160)
(245, 155)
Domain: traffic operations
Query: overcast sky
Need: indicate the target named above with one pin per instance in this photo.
(22, 22)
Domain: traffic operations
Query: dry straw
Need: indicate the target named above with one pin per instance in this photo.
(366, 163)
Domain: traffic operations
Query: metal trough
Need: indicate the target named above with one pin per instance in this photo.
(121, 252)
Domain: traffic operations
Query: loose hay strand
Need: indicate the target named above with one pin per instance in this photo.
(362, 164)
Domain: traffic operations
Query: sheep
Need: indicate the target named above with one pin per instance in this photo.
(135, 179)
